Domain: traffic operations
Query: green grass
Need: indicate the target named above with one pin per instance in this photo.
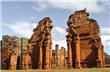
(62, 70)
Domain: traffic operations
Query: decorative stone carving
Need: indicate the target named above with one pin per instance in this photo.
(11, 51)
(26, 60)
(40, 44)
(13, 60)
(83, 41)
(85, 49)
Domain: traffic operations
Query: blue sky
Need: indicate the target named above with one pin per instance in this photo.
(20, 17)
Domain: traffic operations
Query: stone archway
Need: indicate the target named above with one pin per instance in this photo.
(41, 44)
(81, 30)
(83, 41)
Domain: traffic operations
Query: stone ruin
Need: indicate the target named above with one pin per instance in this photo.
(33, 53)
(20, 57)
(9, 52)
(40, 44)
(12, 50)
(59, 57)
(85, 49)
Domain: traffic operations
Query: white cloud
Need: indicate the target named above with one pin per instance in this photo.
(40, 6)
(58, 37)
(105, 37)
(91, 5)
(62, 43)
(24, 29)
(105, 34)
(105, 31)
(58, 33)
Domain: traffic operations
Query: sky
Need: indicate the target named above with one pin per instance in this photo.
(20, 17)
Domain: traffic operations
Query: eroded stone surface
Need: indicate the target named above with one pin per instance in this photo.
(59, 57)
(85, 49)
(40, 44)
(11, 51)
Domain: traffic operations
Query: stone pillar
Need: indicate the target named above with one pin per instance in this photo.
(13, 61)
(26, 60)
(56, 54)
(50, 50)
(57, 48)
(50, 57)
(99, 57)
(78, 52)
(103, 56)
(69, 51)
(47, 49)
(40, 56)
(64, 58)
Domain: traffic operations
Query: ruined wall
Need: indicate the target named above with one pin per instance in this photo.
(40, 44)
(83, 40)
(59, 56)
(11, 49)
(85, 49)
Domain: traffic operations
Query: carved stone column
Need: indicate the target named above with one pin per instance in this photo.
(69, 51)
(42, 34)
(13, 61)
(56, 54)
(50, 55)
(103, 56)
(99, 55)
(40, 56)
(47, 49)
(78, 52)
(64, 58)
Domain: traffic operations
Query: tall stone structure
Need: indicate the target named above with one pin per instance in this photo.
(24, 58)
(26, 61)
(12, 48)
(40, 44)
(9, 52)
(85, 49)
(59, 57)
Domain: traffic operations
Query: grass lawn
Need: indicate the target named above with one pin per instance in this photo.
(62, 70)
